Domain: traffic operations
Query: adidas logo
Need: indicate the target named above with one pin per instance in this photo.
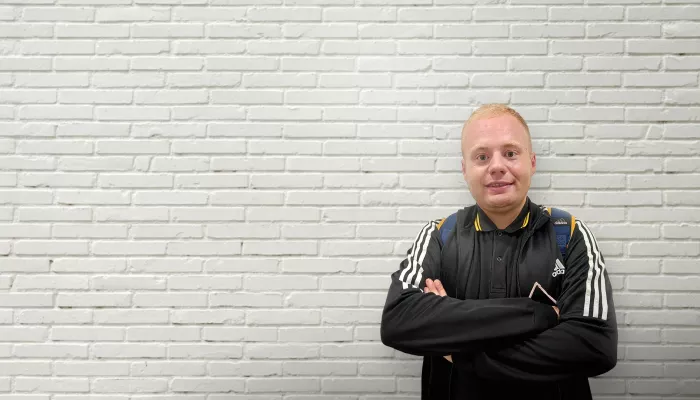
(558, 269)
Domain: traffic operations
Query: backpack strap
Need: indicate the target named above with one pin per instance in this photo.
(446, 226)
(564, 224)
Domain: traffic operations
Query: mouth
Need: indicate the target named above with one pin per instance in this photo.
(498, 184)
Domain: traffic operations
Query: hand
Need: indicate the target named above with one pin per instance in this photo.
(557, 310)
(436, 287)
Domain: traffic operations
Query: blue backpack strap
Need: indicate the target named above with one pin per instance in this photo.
(564, 224)
(446, 226)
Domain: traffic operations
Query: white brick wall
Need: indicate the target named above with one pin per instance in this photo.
(205, 199)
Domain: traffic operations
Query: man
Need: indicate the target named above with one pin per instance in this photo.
(460, 298)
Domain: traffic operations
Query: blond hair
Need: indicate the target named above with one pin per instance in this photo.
(487, 111)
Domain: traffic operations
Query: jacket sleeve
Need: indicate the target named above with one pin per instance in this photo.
(425, 324)
(585, 340)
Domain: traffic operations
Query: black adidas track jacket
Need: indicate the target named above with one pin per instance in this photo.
(511, 346)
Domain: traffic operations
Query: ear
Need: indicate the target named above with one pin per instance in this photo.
(533, 160)
(464, 170)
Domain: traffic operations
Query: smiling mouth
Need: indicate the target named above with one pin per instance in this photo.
(497, 185)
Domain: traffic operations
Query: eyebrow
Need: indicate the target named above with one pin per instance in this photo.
(506, 145)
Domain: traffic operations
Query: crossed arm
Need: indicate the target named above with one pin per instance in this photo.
(536, 343)
(435, 287)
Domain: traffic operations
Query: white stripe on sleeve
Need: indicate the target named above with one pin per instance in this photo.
(410, 256)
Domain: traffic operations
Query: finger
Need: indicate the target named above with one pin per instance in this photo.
(426, 289)
(448, 358)
(440, 288)
(430, 285)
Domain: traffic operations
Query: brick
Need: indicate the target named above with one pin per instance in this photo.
(364, 47)
(264, 14)
(351, 385)
(284, 317)
(232, 63)
(508, 80)
(322, 334)
(345, 30)
(467, 30)
(637, 198)
(359, 114)
(354, 81)
(469, 64)
(625, 97)
(432, 81)
(319, 368)
(282, 214)
(573, 13)
(688, 181)
(242, 30)
(634, 63)
(587, 46)
(314, 130)
(351, 316)
(402, 31)
(661, 148)
(662, 13)
(681, 97)
(546, 63)
(510, 14)
(351, 214)
(322, 299)
(662, 353)
(672, 79)
(302, 47)
(663, 114)
(674, 63)
(402, 97)
(621, 164)
(510, 47)
(423, 47)
(346, 181)
(548, 30)
(583, 79)
(282, 351)
(318, 64)
(360, 14)
(663, 46)
(682, 165)
(623, 30)
(362, 350)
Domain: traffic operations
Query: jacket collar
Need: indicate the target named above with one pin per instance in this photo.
(483, 223)
(531, 217)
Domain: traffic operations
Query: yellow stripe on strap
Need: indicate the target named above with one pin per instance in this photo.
(527, 218)
(573, 225)
(476, 223)
(441, 222)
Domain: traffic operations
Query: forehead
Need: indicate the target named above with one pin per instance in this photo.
(494, 132)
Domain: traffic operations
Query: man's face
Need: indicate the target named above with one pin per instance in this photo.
(497, 162)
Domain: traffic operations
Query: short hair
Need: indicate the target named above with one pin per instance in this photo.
(492, 110)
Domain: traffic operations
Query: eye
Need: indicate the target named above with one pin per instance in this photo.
(510, 154)
(481, 157)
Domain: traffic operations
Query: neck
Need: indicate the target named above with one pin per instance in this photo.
(504, 217)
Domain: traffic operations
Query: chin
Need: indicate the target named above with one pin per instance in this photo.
(505, 200)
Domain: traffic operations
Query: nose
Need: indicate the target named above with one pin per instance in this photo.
(497, 165)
